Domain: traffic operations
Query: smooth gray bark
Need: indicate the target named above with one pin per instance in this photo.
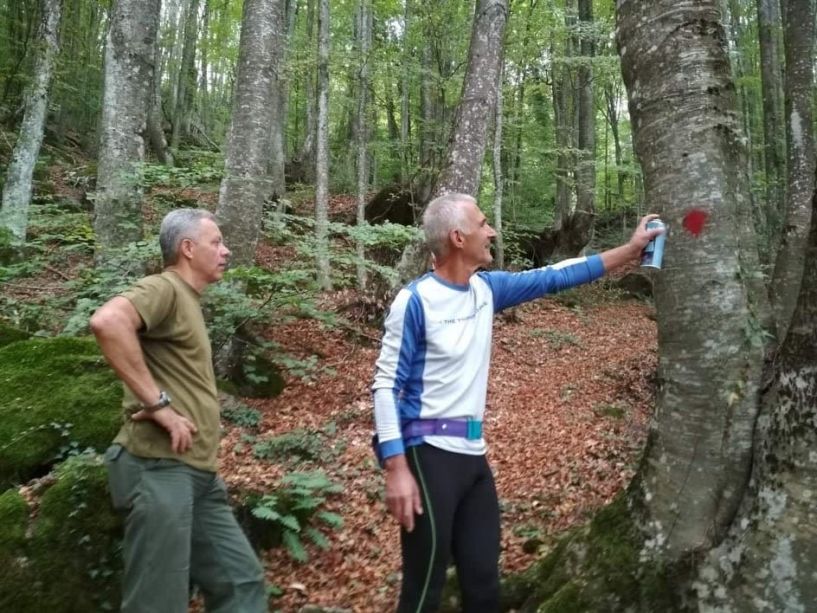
(364, 29)
(688, 139)
(307, 153)
(278, 108)
(499, 243)
(774, 137)
(466, 147)
(582, 222)
(798, 26)
(186, 84)
(405, 84)
(322, 151)
(20, 172)
(129, 57)
(155, 125)
(245, 182)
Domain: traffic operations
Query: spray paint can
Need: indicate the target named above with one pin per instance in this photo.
(653, 253)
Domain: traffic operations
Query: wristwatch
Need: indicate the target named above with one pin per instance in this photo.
(164, 400)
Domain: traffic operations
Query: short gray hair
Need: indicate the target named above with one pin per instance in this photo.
(178, 225)
(443, 214)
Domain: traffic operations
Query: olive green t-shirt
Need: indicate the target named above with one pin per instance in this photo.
(177, 353)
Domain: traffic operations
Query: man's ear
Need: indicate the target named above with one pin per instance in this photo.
(456, 238)
(186, 249)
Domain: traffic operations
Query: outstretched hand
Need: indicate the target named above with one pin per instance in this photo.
(179, 427)
(641, 235)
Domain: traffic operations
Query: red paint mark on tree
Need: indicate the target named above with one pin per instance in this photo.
(694, 221)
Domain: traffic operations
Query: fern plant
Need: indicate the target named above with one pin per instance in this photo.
(293, 514)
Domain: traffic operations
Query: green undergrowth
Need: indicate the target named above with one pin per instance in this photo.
(65, 558)
(59, 398)
(595, 568)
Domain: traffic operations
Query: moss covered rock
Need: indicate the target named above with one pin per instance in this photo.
(59, 396)
(9, 334)
(70, 562)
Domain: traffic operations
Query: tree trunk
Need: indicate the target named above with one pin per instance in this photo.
(774, 137)
(361, 132)
(709, 310)
(322, 151)
(466, 147)
(405, 84)
(798, 25)
(499, 243)
(278, 110)
(307, 153)
(155, 125)
(186, 85)
(245, 182)
(17, 188)
(129, 57)
(582, 218)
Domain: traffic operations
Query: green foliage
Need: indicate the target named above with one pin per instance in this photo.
(293, 513)
(242, 416)
(194, 167)
(10, 334)
(301, 444)
(59, 396)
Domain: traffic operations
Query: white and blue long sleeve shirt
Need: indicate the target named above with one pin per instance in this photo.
(436, 348)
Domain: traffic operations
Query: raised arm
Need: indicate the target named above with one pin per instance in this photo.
(629, 251)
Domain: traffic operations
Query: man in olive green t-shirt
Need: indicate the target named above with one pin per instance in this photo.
(179, 528)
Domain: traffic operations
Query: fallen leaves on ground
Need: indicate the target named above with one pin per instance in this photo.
(569, 400)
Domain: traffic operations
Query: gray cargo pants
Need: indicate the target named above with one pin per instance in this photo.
(180, 529)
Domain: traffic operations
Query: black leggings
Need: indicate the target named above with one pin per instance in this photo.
(460, 518)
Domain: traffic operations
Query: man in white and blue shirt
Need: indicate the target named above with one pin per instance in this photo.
(429, 395)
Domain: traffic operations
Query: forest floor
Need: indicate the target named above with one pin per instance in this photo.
(570, 396)
(569, 400)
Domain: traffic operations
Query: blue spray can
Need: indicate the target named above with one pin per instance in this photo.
(653, 253)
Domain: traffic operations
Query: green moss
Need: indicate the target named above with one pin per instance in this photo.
(598, 568)
(75, 547)
(58, 395)
(13, 522)
(9, 334)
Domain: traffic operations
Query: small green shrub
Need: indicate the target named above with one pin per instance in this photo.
(298, 444)
(292, 514)
(242, 416)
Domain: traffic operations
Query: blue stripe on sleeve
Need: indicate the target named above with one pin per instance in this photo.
(510, 289)
(408, 384)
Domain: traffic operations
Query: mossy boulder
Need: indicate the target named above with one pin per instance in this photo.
(68, 560)
(9, 334)
(59, 396)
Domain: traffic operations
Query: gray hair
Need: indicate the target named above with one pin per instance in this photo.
(178, 225)
(443, 214)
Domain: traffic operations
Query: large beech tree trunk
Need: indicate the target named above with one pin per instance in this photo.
(691, 153)
(245, 182)
(129, 57)
(17, 188)
(322, 151)
(798, 26)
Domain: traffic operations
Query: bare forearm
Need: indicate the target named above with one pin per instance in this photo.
(619, 256)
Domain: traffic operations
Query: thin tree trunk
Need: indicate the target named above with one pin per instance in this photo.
(322, 151)
(774, 136)
(405, 84)
(245, 182)
(798, 25)
(187, 77)
(129, 57)
(278, 119)
(155, 125)
(17, 188)
(307, 154)
(498, 181)
(582, 222)
(361, 132)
